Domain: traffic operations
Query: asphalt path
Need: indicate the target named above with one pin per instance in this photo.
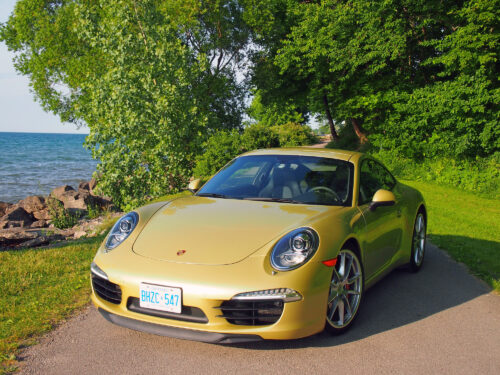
(441, 320)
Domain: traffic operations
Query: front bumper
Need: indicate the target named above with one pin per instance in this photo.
(206, 288)
(178, 333)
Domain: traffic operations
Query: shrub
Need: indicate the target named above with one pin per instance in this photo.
(293, 134)
(218, 150)
(258, 136)
(224, 146)
(60, 217)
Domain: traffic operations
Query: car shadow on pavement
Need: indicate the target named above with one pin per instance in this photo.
(399, 299)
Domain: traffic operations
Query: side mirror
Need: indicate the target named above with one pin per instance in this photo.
(382, 198)
(194, 185)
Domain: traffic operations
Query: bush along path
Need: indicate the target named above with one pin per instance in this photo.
(66, 213)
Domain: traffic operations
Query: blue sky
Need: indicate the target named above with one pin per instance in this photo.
(18, 110)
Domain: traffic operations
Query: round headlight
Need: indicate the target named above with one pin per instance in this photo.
(294, 249)
(121, 230)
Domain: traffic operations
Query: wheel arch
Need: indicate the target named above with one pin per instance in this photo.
(353, 244)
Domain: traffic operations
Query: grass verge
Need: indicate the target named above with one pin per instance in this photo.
(40, 288)
(466, 226)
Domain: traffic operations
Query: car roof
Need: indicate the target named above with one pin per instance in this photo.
(309, 151)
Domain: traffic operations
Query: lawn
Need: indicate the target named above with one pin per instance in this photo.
(466, 226)
(42, 287)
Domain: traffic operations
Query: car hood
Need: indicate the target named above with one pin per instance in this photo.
(211, 231)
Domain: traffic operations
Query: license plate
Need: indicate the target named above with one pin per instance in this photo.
(159, 297)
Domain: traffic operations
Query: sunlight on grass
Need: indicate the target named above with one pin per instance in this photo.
(466, 226)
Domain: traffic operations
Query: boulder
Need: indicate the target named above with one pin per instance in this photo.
(13, 237)
(84, 185)
(32, 203)
(59, 191)
(41, 215)
(39, 224)
(19, 214)
(3, 208)
(42, 240)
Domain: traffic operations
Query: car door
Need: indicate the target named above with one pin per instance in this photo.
(384, 224)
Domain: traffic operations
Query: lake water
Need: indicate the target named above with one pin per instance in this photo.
(36, 163)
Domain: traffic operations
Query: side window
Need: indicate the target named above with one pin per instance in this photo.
(373, 176)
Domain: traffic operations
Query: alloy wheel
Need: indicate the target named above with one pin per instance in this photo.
(346, 288)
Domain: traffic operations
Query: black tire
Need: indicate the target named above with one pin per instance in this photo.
(418, 242)
(345, 292)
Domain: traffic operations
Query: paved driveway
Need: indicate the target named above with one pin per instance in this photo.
(441, 320)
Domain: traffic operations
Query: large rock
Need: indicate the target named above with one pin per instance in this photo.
(59, 191)
(19, 215)
(4, 207)
(39, 224)
(33, 204)
(70, 198)
(84, 185)
(42, 215)
(13, 237)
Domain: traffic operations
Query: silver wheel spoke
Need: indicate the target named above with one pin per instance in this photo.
(354, 278)
(342, 265)
(341, 312)
(347, 306)
(333, 308)
(353, 292)
(349, 266)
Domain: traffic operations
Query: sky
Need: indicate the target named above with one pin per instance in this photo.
(18, 110)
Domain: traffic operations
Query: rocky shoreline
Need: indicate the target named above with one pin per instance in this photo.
(30, 222)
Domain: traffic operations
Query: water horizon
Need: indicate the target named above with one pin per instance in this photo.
(34, 163)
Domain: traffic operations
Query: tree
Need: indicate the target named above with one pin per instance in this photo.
(379, 66)
(150, 78)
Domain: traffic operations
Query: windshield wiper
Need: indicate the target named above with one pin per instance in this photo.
(266, 199)
(212, 195)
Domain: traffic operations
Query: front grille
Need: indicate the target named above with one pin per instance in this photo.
(106, 289)
(251, 313)
(188, 313)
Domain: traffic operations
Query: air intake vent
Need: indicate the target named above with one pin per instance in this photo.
(251, 313)
(106, 290)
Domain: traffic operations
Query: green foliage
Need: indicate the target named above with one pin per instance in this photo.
(259, 136)
(293, 134)
(274, 113)
(218, 150)
(480, 176)
(94, 211)
(420, 77)
(150, 79)
(224, 146)
(59, 216)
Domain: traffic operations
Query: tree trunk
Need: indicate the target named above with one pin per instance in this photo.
(357, 129)
(335, 136)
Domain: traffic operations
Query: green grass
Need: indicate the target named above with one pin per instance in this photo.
(466, 226)
(40, 288)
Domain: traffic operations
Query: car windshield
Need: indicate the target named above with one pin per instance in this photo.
(284, 178)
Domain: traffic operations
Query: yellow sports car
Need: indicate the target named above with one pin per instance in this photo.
(279, 244)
